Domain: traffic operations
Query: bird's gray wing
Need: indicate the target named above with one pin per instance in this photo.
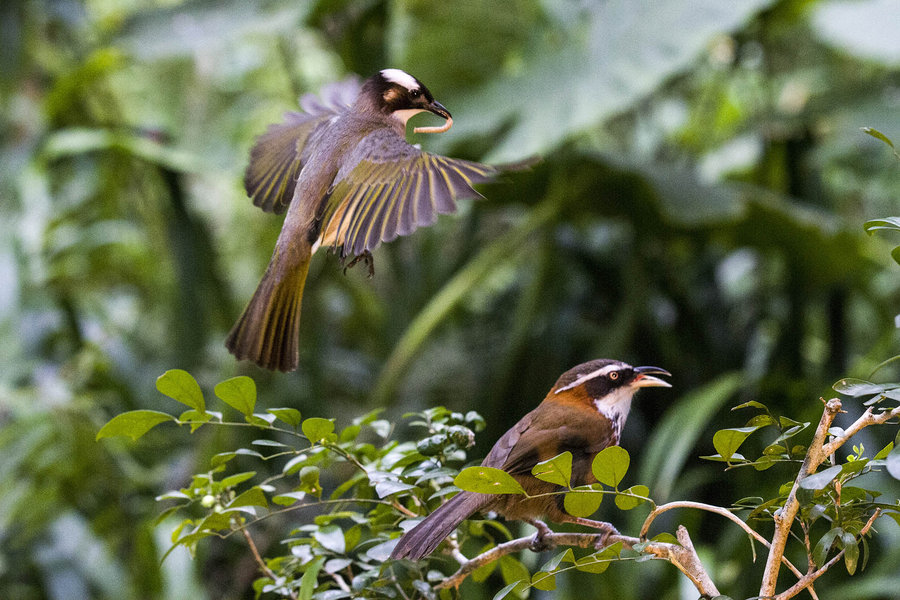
(387, 188)
(278, 154)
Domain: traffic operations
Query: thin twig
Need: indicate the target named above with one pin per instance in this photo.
(684, 557)
(259, 560)
(866, 419)
(722, 512)
(807, 580)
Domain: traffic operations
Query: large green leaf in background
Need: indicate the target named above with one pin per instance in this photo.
(587, 66)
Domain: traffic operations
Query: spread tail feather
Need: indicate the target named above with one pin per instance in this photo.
(267, 332)
(422, 539)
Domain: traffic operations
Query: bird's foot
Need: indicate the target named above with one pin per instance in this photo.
(606, 530)
(367, 258)
(538, 542)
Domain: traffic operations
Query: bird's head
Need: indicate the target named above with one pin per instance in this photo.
(398, 94)
(605, 385)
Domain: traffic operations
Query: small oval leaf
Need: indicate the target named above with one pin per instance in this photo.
(610, 465)
(487, 480)
(819, 480)
(892, 462)
(556, 470)
(857, 387)
(582, 503)
(632, 497)
(133, 424)
(252, 497)
(238, 393)
(180, 385)
(727, 441)
(291, 416)
(317, 429)
(331, 537)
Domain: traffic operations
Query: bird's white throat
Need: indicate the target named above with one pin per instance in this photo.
(406, 114)
(615, 406)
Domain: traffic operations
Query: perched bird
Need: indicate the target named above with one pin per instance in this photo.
(349, 180)
(583, 413)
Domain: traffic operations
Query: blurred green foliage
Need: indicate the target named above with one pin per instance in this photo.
(699, 206)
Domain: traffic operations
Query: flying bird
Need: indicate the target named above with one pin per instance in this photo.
(583, 413)
(349, 180)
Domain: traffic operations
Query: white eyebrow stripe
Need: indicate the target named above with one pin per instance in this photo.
(400, 78)
(598, 373)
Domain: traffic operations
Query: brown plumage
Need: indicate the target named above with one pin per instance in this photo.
(583, 413)
(348, 180)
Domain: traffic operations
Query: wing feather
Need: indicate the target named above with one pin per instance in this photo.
(387, 188)
(278, 155)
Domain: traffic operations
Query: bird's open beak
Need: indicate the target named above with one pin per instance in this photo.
(644, 377)
(438, 109)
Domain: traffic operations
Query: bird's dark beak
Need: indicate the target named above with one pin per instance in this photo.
(438, 109)
(644, 377)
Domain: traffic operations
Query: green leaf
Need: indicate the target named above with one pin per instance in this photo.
(195, 418)
(291, 416)
(309, 480)
(544, 581)
(506, 591)
(238, 393)
(566, 555)
(599, 561)
(610, 465)
(181, 386)
(389, 486)
(133, 424)
(892, 462)
(820, 479)
(879, 136)
(857, 387)
(288, 498)
(331, 537)
(727, 441)
(751, 404)
(252, 497)
(820, 552)
(237, 479)
(381, 552)
(514, 571)
(310, 579)
(487, 480)
(851, 551)
(317, 430)
(665, 538)
(625, 502)
(582, 503)
(556, 470)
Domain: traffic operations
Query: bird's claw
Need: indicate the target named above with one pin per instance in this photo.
(605, 532)
(538, 542)
(367, 258)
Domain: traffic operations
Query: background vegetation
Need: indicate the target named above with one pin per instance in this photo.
(699, 207)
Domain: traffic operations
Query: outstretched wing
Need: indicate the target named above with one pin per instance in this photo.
(277, 156)
(388, 188)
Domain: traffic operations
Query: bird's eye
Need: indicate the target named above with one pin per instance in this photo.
(614, 375)
(415, 93)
